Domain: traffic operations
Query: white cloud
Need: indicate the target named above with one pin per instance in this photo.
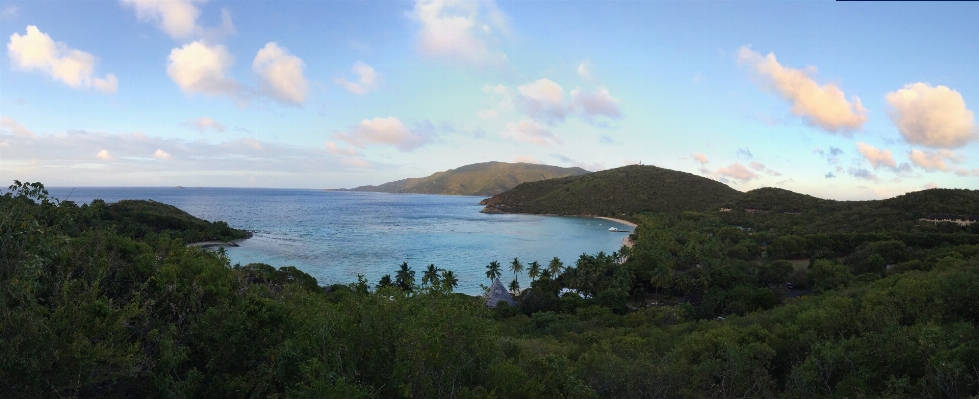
(700, 158)
(762, 168)
(737, 171)
(178, 18)
(15, 128)
(201, 68)
(487, 113)
(36, 51)
(931, 185)
(458, 30)
(104, 155)
(71, 159)
(543, 99)
(824, 106)
(932, 161)
(585, 69)
(333, 148)
(161, 155)
(204, 124)
(934, 117)
(281, 74)
(529, 131)
(525, 159)
(875, 156)
(389, 131)
(367, 81)
(597, 103)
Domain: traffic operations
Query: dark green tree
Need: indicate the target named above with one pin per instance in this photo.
(534, 270)
(493, 271)
(431, 276)
(405, 278)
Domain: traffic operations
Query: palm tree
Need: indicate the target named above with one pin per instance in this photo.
(449, 280)
(555, 267)
(405, 277)
(534, 270)
(516, 267)
(493, 271)
(545, 274)
(431, 276)
(515, 286)
(384, 281)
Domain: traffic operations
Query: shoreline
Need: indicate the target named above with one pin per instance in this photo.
(625, 241)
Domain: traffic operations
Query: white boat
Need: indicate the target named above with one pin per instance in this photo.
(612, 229)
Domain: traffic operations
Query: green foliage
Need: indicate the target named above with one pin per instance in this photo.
(615, 192)
(488, 178)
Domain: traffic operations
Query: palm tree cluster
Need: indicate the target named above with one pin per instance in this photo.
(432, 277)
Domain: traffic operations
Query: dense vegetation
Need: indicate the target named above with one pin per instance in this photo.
(615, 192)
(488, 178)
(696, 308)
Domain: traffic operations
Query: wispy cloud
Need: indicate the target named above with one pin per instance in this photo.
(367, 79)
(460, 31)
(386, 131)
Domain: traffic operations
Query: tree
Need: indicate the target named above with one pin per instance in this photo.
(534, 271)
(493, 271)
(385, 281)
(555, 267)
(515, 286)
(449, 280)
(516, 267)
(405, 277)
(431, 276)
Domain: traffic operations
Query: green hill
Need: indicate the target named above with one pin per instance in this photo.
(488, 178)
(615, 192)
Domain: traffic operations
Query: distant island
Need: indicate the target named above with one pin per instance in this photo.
(487, 178)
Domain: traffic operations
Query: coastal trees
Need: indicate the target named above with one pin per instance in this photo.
(534, 270)
(515, 286)
(516, 267)
(449, 280)
(493, 271)
(555, 267)
(405, 277)
(431, 276)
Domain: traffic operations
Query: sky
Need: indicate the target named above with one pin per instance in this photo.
(840, 100)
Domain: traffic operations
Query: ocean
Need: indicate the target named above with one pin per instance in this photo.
(334, 236)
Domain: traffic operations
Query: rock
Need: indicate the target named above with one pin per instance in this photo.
(497, 293)
(491, 209)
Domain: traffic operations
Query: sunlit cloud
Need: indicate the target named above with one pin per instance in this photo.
(385, 131)
(737, 171)
(543, 100)
(161, 155)
(36, 51)
(198, 67)
(104, 155)
(367, 79)
(825, 106)
(10, 126)
(459, 31)
(934, 117)
(529, 131)
(875, 156)
(595, 104)
(526, 159)
(281, 74)
(204, 124)
(178, 18)
(933, 160)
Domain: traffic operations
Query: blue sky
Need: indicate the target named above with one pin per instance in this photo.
(838, 100)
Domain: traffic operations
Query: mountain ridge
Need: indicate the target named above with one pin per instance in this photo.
(481, 179)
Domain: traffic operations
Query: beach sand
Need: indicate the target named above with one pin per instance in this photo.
(625, 241)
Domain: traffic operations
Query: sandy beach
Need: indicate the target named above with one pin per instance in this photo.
(625, 241)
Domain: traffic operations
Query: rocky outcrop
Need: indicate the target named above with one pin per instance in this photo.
(498, 293)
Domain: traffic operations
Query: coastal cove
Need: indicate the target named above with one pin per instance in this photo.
(334, 236)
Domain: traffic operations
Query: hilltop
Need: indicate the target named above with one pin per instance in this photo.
(487, 178)
(615, 192)
(634, 189)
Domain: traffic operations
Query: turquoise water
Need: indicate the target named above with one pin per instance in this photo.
(334, 236)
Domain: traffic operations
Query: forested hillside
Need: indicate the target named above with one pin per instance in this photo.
(615, 192)
(488, 178)
(696, 308)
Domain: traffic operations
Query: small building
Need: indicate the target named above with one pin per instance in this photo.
(945, 218)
